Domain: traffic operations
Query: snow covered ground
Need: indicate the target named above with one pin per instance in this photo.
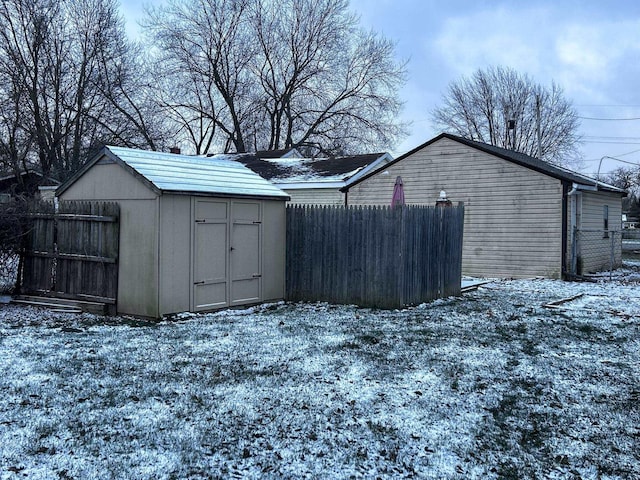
(489, 385)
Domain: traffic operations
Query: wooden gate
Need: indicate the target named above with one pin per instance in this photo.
(73, 253)
(210, 261)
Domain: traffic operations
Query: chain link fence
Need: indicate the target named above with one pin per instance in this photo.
(595, 251)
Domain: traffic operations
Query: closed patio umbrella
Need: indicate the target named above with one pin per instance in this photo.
(398, 193)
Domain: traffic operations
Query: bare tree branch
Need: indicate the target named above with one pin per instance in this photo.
(481, 107)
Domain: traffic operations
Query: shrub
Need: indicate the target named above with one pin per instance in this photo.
(14, 226)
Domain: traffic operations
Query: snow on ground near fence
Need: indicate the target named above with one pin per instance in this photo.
(490, 385)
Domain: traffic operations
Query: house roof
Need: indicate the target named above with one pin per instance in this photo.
(32, 179)
(518, 158)
(187, 174)
(282, 153)
(309, 170)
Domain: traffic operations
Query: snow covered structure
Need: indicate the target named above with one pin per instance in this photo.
(313, 181)
(520, 212)
(195, 233)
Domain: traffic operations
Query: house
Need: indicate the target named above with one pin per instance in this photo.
(31, 184)
(281, 153)
(196, 233)
(315, 181)
(520, 212)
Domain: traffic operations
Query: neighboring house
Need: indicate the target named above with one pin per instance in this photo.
(629, 222)
(195, 233)
(31, 183)
(315, 181)
(520, 212)
(282, 153)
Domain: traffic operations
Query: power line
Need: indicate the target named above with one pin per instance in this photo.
(609, 119)
(605, 137)
(605, 105)
(610, 142)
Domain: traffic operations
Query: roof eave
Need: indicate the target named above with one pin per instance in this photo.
(225, 195)
(477, 146)
(309, 185)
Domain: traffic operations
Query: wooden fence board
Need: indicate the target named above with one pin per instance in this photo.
(73, 252)
(373, 256)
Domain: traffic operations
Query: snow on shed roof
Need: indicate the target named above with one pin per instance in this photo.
(175, 173)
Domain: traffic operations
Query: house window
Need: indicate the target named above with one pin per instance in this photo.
(605, 218)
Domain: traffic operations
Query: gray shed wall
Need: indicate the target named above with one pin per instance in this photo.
(274, 248)
(176, 221)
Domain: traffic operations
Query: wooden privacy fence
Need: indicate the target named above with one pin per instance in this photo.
(385, 257)
(73, 253)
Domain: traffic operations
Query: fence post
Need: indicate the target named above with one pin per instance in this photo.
(613, 253)
(574, 251)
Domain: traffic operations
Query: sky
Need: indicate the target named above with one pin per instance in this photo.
(590, 48)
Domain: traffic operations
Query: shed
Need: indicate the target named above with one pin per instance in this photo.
(196, 233)
(521, 214)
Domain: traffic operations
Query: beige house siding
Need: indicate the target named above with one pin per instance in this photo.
(138, 265)
(513, 215)
(316, 196)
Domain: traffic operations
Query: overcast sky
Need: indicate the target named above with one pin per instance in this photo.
(590, 48)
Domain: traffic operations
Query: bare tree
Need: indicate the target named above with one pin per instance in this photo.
(501, 107)
(71, 83)
(15, 139)
(261, 74)
(205, 45)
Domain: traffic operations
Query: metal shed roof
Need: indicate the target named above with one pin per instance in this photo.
(175, 173)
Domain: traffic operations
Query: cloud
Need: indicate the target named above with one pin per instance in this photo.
(599, 55)
(587, 55)
(493, 37)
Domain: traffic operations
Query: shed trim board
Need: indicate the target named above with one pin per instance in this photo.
(159, 235)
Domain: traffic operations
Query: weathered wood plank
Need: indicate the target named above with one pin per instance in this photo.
(74, 251)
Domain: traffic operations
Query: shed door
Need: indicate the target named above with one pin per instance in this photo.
(210, 258)
(246, 247)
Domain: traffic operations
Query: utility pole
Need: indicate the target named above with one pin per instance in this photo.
(539, 134)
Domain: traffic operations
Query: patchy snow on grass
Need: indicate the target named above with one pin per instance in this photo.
(489, 385)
